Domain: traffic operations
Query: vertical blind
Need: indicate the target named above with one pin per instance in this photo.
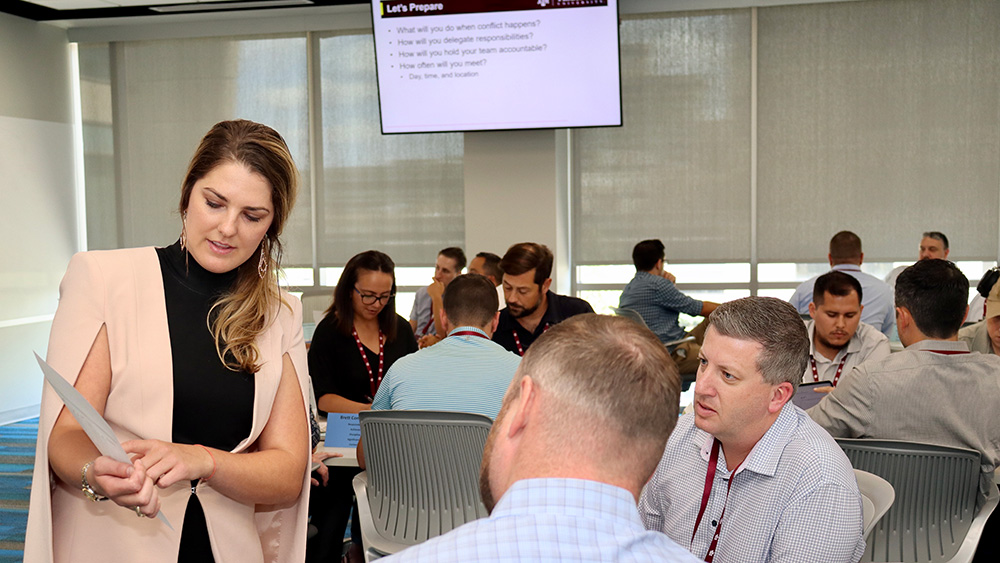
(146, 104)
(679, 167)
(880, 117)
(401, 194)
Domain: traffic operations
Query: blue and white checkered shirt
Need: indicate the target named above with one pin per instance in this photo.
(459, 374)
(658, 302)
(553, 520)
(795, 497)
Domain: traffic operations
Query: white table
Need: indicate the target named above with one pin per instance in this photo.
(349, 459)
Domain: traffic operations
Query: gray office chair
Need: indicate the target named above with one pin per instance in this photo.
(421, 478)
(934, 517)
(876, 497)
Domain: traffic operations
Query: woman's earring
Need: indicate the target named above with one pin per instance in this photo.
(184, 237)
(262, 265)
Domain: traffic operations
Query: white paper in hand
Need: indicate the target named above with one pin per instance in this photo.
(93, 424)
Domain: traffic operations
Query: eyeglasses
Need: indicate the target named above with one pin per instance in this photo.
(371, 299)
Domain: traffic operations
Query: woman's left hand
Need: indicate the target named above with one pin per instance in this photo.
(168, 463)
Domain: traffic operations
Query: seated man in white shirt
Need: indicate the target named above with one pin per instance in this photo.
(748, 477)
(581, 429)
(838, 339)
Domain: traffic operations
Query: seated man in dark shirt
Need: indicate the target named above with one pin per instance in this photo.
(531, 307)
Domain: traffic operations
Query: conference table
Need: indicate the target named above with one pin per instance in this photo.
(349, 456)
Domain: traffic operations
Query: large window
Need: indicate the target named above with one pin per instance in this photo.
(751, 136)
(147, 103)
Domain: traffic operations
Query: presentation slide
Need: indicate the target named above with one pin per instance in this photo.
(487, 64)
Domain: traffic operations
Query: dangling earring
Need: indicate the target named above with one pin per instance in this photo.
(262, 265)
(184, 237)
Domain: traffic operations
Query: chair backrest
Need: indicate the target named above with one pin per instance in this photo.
(630, 314)
(877, 495)
(423, 471)
(936, 489)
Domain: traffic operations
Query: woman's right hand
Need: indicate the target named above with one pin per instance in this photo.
(126, 485)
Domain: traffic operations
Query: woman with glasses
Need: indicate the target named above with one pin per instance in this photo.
(352, 349)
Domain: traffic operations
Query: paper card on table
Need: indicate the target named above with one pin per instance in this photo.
(93, 424)
(343, 430)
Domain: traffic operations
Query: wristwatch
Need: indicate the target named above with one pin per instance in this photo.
(89, 491)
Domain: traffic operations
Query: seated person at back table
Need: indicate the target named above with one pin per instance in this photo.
(488, 264)
(531, 307)
(423, 317)
(554, 492)
(748, 477)
(465, 372)
(984, 336)
(653, 295)
(846, 256)
(360, 337)
(838, 339)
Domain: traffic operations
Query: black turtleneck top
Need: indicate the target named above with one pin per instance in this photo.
(213, 405)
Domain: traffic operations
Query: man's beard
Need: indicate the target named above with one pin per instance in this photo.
(524, 312)
(828, 344)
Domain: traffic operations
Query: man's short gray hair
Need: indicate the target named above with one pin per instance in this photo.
(776, 326)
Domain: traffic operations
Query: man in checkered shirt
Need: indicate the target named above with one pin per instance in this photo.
(748, 477)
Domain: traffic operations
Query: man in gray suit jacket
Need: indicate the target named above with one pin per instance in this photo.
(935, 390)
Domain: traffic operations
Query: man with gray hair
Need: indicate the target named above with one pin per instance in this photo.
(580, 431)
(748, 477)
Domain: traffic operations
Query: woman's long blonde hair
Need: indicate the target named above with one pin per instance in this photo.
(243, 313)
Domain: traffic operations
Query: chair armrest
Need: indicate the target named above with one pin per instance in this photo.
(967, 551)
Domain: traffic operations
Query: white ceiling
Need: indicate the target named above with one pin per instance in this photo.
(88, 4)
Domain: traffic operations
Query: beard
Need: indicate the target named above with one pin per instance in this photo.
(521, 312)
(828, 344)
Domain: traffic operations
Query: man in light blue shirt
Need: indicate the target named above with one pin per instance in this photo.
(465, 372)
(846, 256)
(581, 429)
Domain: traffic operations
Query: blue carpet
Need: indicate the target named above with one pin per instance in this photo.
(17, 457)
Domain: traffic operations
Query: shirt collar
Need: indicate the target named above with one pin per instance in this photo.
(469, 329)
(568, 497)
(847, 267)
(766, 453)
(940, 345)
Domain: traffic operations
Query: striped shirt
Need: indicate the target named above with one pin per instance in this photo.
(460, 373)
(794, 499)
(553, 520)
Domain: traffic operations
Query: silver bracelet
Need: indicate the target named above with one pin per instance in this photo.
(89, 491)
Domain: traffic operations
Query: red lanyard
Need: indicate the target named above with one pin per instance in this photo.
(517, 339)
(949, 352)
(468, 333)
(836, 377)
(427, 326)
(364, 356)
(709, 480)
